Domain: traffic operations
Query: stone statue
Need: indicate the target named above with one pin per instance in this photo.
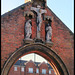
(49, 33)
(39, 12)
(28, 30)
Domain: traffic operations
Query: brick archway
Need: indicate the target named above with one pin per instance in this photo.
(44, 51)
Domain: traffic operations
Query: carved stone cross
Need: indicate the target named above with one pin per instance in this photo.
(39, 12)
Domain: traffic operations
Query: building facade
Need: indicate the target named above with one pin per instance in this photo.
(34, 28)
(22, 67)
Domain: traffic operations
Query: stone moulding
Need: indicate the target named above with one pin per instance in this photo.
(28, 41)
(36, 40)
(43, 51)
(50, 44)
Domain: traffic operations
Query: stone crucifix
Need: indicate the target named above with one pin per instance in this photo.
(39, 12)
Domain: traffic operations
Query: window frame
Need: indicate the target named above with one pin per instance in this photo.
(50, 71)
(37, 70)
(30, 70)
(15, 68)
(43, 71)
(22, 69)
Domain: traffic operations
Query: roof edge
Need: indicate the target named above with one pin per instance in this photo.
(5, 14)
(61, 21)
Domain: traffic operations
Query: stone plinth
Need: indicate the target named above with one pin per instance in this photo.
(28, 41)
(49, 43)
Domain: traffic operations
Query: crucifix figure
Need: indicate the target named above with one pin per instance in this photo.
(39, 12)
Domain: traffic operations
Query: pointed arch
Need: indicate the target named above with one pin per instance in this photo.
(44, 51)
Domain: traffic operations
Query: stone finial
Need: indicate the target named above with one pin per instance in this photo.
(42, 3)
(27, 1)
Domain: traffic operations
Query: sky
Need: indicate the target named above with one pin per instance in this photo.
(64, 9)
(31, 56)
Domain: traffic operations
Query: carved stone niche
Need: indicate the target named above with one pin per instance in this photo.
(48, 29)
(42, 3)
(29, 14)
(28, 31)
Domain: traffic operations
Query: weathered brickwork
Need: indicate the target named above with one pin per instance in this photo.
(12, 35)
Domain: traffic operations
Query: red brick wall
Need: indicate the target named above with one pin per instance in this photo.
(18, 72)
(63, 42)
(52, 72)
(43, 66)
(12, 72)
(28, 65)
(12, 35)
